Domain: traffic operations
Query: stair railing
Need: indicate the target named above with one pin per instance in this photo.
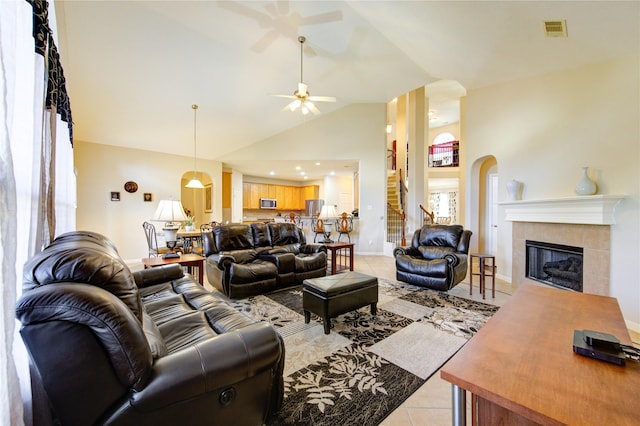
(396, 224)
(427, 217)
(402, 190)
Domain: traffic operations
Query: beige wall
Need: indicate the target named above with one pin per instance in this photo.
(103, 168)
(543, 130)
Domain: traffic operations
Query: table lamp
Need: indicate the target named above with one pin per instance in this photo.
(328, 214)
(170, 212)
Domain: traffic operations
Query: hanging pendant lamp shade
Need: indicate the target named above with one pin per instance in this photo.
(195, 182)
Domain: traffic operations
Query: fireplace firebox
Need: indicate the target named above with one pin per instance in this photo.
(554, 264)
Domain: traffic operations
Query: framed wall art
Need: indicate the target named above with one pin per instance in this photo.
(208, 198)
(115, 196)
(148, 197)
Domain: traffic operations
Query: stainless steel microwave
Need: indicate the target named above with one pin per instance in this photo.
(268, 203)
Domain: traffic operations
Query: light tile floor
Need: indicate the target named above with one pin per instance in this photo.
(431, 404)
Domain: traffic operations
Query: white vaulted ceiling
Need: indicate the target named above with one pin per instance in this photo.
(134, 68)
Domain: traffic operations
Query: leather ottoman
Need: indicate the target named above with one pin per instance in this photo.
(335, 295)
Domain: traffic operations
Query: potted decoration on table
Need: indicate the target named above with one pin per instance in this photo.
(189, 224)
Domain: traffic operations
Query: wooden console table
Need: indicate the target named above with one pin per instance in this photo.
(339, 258)
(521, 369)
(188, 260)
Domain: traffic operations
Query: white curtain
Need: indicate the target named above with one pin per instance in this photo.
(26, 133)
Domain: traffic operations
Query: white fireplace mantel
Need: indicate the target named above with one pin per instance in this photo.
(586, 209)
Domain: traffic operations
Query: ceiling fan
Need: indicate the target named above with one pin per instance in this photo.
(280, 20)
(302, 99)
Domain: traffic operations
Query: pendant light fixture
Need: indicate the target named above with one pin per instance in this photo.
(194, 183)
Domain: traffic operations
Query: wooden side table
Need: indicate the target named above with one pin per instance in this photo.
(188, 260)
(522, 370)
(338, 252)
(483, 264)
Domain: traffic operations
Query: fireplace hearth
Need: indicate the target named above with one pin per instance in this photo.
(554, 264)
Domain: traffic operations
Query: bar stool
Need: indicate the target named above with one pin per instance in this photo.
(482, 265)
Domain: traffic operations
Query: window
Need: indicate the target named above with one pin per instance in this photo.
(444, 151)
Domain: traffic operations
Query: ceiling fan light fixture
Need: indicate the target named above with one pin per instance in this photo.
(301, 97)
(295, 105)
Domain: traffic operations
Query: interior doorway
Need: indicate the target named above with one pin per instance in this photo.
(488, 186)
(197, 202)
(492, 203)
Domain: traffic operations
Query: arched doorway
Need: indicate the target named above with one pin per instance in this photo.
(484, 193)
(197, 202)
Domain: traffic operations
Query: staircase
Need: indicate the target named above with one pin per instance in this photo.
(395, 222)
(393, 197)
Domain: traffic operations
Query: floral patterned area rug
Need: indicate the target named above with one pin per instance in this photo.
(368, 365)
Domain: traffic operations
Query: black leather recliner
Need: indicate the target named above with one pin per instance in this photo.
(246, 260)
(436, 259)
(152, 347)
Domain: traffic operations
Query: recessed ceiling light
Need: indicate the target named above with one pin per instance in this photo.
(298, 167)
(272, 173)
(317, 164)
(332, 173)
(302, 173)
(306, 177)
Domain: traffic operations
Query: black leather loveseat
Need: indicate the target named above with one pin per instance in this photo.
(146, 348)
(436, 259)
(245, 260)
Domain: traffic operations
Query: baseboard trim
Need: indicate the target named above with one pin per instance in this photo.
(631, 325)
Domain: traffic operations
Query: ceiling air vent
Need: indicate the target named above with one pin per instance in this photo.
(555, 28)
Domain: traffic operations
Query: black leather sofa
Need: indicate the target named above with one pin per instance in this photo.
(245, 260)
(436, 259)
(152, 347)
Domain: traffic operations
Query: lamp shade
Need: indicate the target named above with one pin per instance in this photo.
(169, 211)
(194, 183)
(328, 212)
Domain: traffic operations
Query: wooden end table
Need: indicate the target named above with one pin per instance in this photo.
(521, 369)
(483, 263)
(339, 252)
(188, 260)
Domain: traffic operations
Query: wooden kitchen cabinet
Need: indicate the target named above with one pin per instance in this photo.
(288, 197)
(309, 192)
(289, 203)
(280, 196)
(272, 191)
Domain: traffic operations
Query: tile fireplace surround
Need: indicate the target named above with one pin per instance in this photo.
(575, 221)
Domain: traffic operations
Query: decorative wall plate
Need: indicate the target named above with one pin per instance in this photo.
(131, 187)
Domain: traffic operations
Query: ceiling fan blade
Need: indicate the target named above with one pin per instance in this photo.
(262, 18)
(322, 98)
(322, 18)
(283, 96)
(260, 45)
(309, 51)
(283, 7)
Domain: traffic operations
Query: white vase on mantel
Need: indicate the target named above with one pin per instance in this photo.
(514, 189)
(585, 185)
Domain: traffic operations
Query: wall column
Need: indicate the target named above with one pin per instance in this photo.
(416, 128)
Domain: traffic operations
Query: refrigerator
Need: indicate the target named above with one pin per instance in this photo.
(313, 207)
